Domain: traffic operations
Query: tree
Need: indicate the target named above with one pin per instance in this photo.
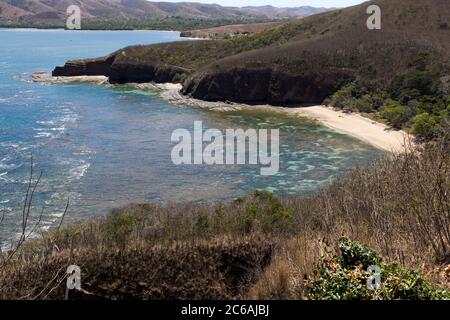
(395, 114)
(424, 126)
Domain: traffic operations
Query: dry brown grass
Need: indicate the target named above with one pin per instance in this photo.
(399, 206)
(283, 279)
(221, 268)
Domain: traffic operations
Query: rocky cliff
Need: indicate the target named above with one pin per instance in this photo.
(264, 85)
(88, 67)
(120, 70)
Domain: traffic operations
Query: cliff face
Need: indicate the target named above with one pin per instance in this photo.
(264, 85)
(88, 67)
(120, 71)
(126, 72)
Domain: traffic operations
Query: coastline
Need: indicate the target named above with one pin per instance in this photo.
(78, 30)
(374, 133)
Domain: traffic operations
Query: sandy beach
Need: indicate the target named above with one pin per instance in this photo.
(365, 129)
(353, 124)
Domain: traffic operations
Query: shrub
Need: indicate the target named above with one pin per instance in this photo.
(412, 85)
(201, 224)
(266, 212)
(355, 254)
(346, 277)
(119, 227)
(395, 114)
(364, 104)
(180, 77)
(424, 126)
(421, 61)
(352, 96)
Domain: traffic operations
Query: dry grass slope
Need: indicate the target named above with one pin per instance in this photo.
(258, 246)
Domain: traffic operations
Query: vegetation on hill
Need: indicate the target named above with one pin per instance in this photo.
(418, 100)
(398, 74)
(163, 23)
(230, 30)
(138, 14)
(261, 246)
(334, 49)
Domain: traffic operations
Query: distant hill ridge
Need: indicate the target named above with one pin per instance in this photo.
(54, 11)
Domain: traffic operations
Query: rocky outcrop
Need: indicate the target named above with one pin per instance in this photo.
(87, 67)
(121, 71)
(126, 72)
(264, 85)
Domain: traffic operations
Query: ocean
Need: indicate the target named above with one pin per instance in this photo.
(104, 147)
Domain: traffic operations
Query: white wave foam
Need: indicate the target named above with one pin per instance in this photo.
(46, 123)
(78, 172)
(5, 165)
(44, 135)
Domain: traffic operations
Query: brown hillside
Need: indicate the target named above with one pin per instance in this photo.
(302, 61)
(230, 30)
(327, 51)
(130, 13)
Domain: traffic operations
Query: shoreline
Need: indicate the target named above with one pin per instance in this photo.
(64, 29)
(369, 131)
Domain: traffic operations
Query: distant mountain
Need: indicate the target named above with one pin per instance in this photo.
(294, 12)
(136, 12)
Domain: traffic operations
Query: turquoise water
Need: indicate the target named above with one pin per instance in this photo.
(106, 147)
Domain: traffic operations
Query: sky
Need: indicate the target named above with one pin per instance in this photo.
(277, 3)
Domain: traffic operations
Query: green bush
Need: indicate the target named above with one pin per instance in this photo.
(412, 85)
(345, 277)
(201, 225)
(353, 97)
(364, 104)
(425, 126)
(395, 114)
(180, 77)
(265, 211)
(355, 254)
(421, 61)
(120, 226)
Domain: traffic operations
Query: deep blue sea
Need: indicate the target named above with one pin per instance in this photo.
(105, 147)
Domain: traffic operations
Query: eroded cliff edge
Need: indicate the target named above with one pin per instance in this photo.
(120, 70)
